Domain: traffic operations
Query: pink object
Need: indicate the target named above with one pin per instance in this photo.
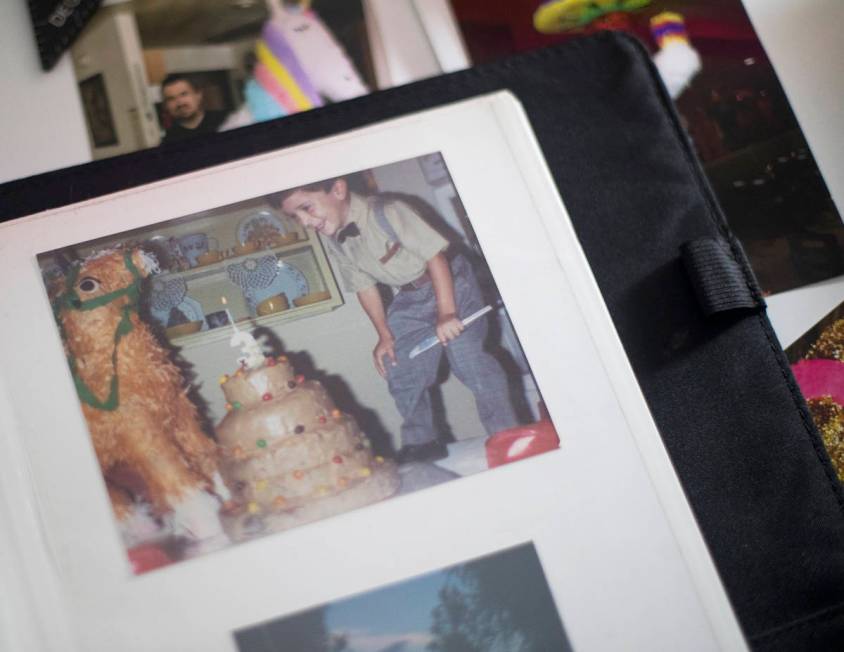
(521, 442)
(820, 378)
(265, 78)
(147, 557)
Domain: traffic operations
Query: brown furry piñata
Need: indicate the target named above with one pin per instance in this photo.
(145, 430)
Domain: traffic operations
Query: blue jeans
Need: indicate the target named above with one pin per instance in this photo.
(412, 317)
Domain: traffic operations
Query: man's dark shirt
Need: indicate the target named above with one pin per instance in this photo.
(211, 122)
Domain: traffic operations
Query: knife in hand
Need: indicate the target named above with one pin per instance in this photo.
(433, 340)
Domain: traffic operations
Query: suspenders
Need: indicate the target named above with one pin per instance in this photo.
(394, 244)
(381, 218)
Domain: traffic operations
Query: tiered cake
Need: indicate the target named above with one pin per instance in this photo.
(289, 455)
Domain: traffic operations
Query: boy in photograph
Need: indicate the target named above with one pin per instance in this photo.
(375, 240)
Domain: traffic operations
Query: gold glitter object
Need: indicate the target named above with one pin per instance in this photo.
(253, 508)
(260, 485)
(829, 418)
(365, 472)
(223, 379)
(379, 459)
(830, 343)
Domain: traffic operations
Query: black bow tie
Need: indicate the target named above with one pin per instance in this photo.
(351, 230)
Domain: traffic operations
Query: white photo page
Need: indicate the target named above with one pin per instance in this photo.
(360, 394)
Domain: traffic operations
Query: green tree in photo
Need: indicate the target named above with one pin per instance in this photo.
(497, 604)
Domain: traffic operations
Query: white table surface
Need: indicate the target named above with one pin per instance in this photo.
(42, 127)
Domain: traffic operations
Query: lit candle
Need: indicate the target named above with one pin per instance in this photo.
(253, 354)
(228, 314)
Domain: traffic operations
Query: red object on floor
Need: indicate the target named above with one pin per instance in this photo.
(147, 557)
(521, 442)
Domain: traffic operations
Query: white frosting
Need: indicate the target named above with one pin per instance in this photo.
(261, 383)
(253, 354)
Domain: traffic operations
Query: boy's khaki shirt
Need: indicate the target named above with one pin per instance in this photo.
(366, 259)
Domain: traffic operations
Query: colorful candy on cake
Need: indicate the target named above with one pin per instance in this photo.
(288, 454)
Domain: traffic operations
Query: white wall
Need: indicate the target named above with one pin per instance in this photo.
(208, 57)
(42, 127)
(111, 47)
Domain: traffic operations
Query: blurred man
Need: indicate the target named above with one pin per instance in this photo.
(183, 101)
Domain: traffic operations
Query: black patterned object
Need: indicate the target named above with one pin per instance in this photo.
(57, 23)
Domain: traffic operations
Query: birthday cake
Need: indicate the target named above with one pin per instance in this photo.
(289, 455)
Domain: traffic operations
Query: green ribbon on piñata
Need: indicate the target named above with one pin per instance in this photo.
(69, 300)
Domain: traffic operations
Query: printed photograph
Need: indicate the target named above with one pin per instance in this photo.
(289, 357)
(730, 102)
(499, 603)
(178, 70)
(817, 361)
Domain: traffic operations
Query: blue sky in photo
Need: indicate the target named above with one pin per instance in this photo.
(378, 620)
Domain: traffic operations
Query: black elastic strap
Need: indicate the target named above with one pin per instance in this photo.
(721, 280)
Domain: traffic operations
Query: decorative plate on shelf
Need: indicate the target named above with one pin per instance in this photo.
(253, 273)
(288, 281)
(264, 277)
(166, 293)
(186, 311)
(263, 228)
